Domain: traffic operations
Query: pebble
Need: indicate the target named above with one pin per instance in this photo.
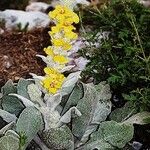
(137, 145)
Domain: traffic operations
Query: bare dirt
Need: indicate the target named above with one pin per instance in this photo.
(18, 52)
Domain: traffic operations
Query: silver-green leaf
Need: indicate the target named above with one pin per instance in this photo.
(29, 123)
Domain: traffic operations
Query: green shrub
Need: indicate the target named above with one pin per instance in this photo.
(124, 58)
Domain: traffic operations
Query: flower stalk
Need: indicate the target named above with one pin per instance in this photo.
(62, 36)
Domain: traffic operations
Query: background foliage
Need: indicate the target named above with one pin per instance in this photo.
(123, 59)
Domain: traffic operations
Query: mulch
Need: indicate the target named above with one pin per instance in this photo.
(18, 52)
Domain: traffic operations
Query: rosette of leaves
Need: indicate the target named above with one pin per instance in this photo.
(123, 59)
(75, 121)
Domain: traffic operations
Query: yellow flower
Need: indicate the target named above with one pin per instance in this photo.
(50, 71)
(49, 51)
(58, 42)
(69, 28)
(60, 59)
(62, 12)
(71, 35)
(53, 80)
(75, 18)
(61, 43)
(53, 84)
(55, 29)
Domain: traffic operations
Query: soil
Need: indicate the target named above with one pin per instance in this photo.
(18, 52)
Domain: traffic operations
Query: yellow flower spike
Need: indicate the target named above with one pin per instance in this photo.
(60, 59)
(62, 35)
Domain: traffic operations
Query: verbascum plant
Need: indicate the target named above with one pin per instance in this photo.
(59, 112)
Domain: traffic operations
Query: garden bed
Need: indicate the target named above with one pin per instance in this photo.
(59, 108)
(18, 52)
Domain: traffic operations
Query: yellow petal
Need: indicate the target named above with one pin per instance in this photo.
(60, 59)
(52, 90)
(58, 42)
(71, 35)
(49, 70)
(49, 51)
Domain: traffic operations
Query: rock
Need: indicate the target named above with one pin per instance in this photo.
(21, 20)
(7, 62)
(83, 2)
(137, 145)
(37, 6)
(1, 31)
(146, 3)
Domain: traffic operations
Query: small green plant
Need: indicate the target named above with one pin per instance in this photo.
(20, 29)
(123, 59)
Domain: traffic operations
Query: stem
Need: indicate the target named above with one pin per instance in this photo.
(40, 143)
(82, 24)
(138, 37)
(145, 59)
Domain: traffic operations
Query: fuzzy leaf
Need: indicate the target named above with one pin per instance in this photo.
(87, 107)
(12, 104)
(9, 142)
(58, 138)
(66, 118)
(74, 97)
(103, 107)
(22, 87)
(102, 110)
(70, 82)
(24, 100)
(12, 133)
(112, 133)
(8, 117)
(139, 118)
(35, 93)
(6, 128)
(103, 90)
(29, 123)
(8, 88)
(97, 145)
(122, 114)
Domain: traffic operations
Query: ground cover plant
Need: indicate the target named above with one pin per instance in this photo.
(56, 110)
(123, 56)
